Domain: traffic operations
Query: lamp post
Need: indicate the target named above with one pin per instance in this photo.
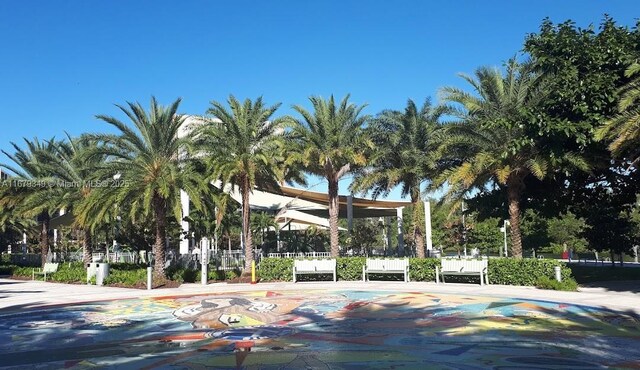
(504, 230)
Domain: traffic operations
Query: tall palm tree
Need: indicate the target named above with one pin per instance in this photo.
(406, 145)
(624, 129)
(330, 142)
(38, 196)
(152, 162)
(244, 145)
(75, 162)
(493, 134)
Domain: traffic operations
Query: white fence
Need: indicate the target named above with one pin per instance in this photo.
(300, 255)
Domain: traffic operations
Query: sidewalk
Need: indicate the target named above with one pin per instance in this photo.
(18, 294)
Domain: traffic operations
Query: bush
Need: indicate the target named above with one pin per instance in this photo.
(423, 269)
(70, 273)
(568, 284)
(350, 268)
(127, 277)
(276, 269)
(523, 271)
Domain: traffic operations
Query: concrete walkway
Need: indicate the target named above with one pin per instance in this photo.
(19, 295)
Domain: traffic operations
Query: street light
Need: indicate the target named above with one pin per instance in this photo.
(504, 230)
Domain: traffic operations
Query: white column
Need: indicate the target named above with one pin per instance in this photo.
(184, 241)
(350, 212)
(55, 237)
(24, 243)
(427, 227)
(400, 234)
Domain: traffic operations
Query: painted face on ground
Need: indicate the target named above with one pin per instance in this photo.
(221, 312)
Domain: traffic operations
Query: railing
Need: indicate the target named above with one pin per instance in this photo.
(124, 257)
(300, 255)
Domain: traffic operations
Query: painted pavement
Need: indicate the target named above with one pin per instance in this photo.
(320, 330)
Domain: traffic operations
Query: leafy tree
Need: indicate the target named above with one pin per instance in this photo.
(566, 231)
(485, 235)
(587, 69)
(244, 146)
(364, 236)
(149, 156)
(406, 145)
(496, 120)
(330, 142)
(535, 227)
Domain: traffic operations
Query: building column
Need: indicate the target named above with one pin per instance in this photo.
(184, 240)
(427, 227)
(400, 233)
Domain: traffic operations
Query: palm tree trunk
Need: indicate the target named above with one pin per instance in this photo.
(514, 189)
(44, 238)
(333, 216)
(86, 246)
(246, 229)
(418, 236)
(160, 215)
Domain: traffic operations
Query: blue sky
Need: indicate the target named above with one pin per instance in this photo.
(63, 62)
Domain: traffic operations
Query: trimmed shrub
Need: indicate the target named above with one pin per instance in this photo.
(276, 269)
(128, 277)
(423, 269)
(568, 284)
(70, 273)
(523, 271)
(350, 268)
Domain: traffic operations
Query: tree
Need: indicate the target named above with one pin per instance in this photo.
(36, 193)
(406, 144)
(567, 231)
(74, 162)
(244, 148)
(624, 129)
(587, 66)
(330, 142)
(149, 157)
(495, 132)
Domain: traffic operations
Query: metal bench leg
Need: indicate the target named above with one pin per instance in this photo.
(294, 274)
(437, 275)
(481, 279)
(335, 278)
(363, 274)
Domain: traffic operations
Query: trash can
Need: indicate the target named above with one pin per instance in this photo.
(91, 270)
(101, 273)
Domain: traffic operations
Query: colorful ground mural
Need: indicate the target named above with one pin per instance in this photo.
(320, 330)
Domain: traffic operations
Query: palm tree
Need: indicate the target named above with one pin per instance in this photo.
(38, 196)
(330, 142)
(75, 162)
(244, 146)
(494, 140)
(150, 158)
(406, 143)
(624, 128)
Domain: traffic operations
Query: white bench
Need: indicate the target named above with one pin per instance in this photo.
(314, 267)
(463, 267)
(386, 266)
(49, 268)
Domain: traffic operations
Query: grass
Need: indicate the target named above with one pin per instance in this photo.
(589, 274)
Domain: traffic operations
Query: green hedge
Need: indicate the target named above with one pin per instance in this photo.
(506, 271)
(348, 269)
(275, 269)
(525, 271)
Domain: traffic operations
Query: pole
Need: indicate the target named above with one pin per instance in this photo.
(149, 277)
(505, 238)
(253, 272)
(427, 227)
